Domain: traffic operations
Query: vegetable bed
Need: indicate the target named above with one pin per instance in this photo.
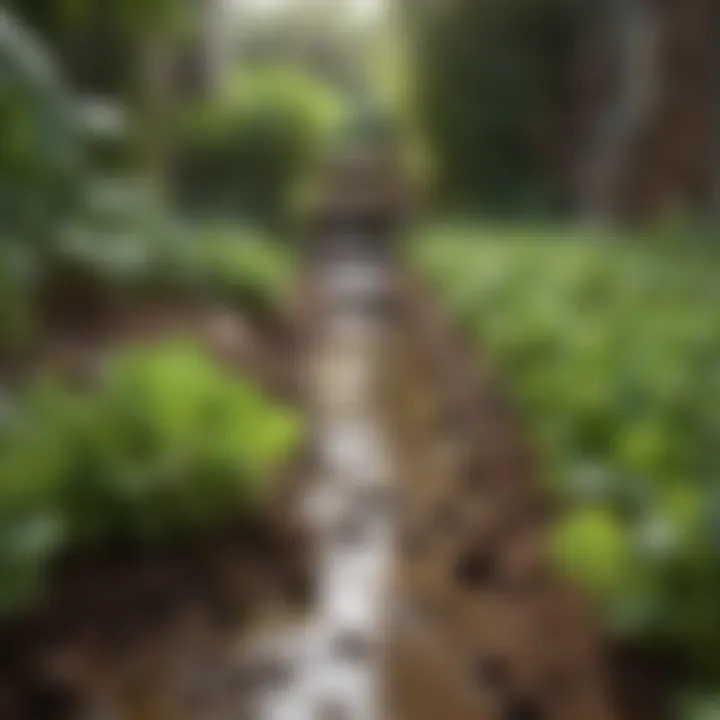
(612, 348)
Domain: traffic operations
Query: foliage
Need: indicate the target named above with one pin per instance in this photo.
(246, 268)
(484, 74)
(148, 252)
(18, 281)
(699, 706)
(40, 170)
(49, 184)
(613, 348)
(41, 161)
(168, 444)
(249, 147)
(96, 41)
(60, 217)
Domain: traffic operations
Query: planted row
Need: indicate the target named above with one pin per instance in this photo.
(613, 350)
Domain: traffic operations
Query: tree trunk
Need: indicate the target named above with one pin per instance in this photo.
(715, 90)
(155, 93)
(631, 40)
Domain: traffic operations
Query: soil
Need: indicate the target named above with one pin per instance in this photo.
(115, 627)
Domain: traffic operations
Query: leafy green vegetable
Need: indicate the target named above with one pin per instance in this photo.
(245, 268)
(612, 347)
(168, 444)
(593, 546)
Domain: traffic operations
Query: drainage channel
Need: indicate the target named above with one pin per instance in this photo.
(331, 666)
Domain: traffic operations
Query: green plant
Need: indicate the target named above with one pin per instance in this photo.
(125, 237)
(243, 266)
(168, 444)
(197, 447)
(612, 348)
(50, 212)
(61, 220)
(41, 161)
(248, 148)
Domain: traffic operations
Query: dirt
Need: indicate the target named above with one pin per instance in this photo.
(116, 627)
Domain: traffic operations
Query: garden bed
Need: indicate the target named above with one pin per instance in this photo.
(608, 348)
(113, 605)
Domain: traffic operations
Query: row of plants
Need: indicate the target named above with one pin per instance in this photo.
(168, 444)
(143, 256)
(612, 348)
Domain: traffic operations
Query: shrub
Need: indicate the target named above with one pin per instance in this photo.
(168, 444)
(248, 148)
(55, 214)
(41, 159)
(244, 267)
(63, 222)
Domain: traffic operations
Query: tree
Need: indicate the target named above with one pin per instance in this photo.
(715, 154)
(630, 31)
(486, 72)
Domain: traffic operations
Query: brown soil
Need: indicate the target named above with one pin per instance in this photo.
(116, 628)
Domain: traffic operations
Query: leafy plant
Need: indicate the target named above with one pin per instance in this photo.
(62, 220)
(612, 347)
(243, 266)
(168, 444)
(246, 150)
(40, 155)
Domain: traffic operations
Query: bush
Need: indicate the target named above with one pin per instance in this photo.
(168, 444)
(245, 268)
(57, 213)
(63, 222)
(41, 158)
(613, 348)
(248, 148)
